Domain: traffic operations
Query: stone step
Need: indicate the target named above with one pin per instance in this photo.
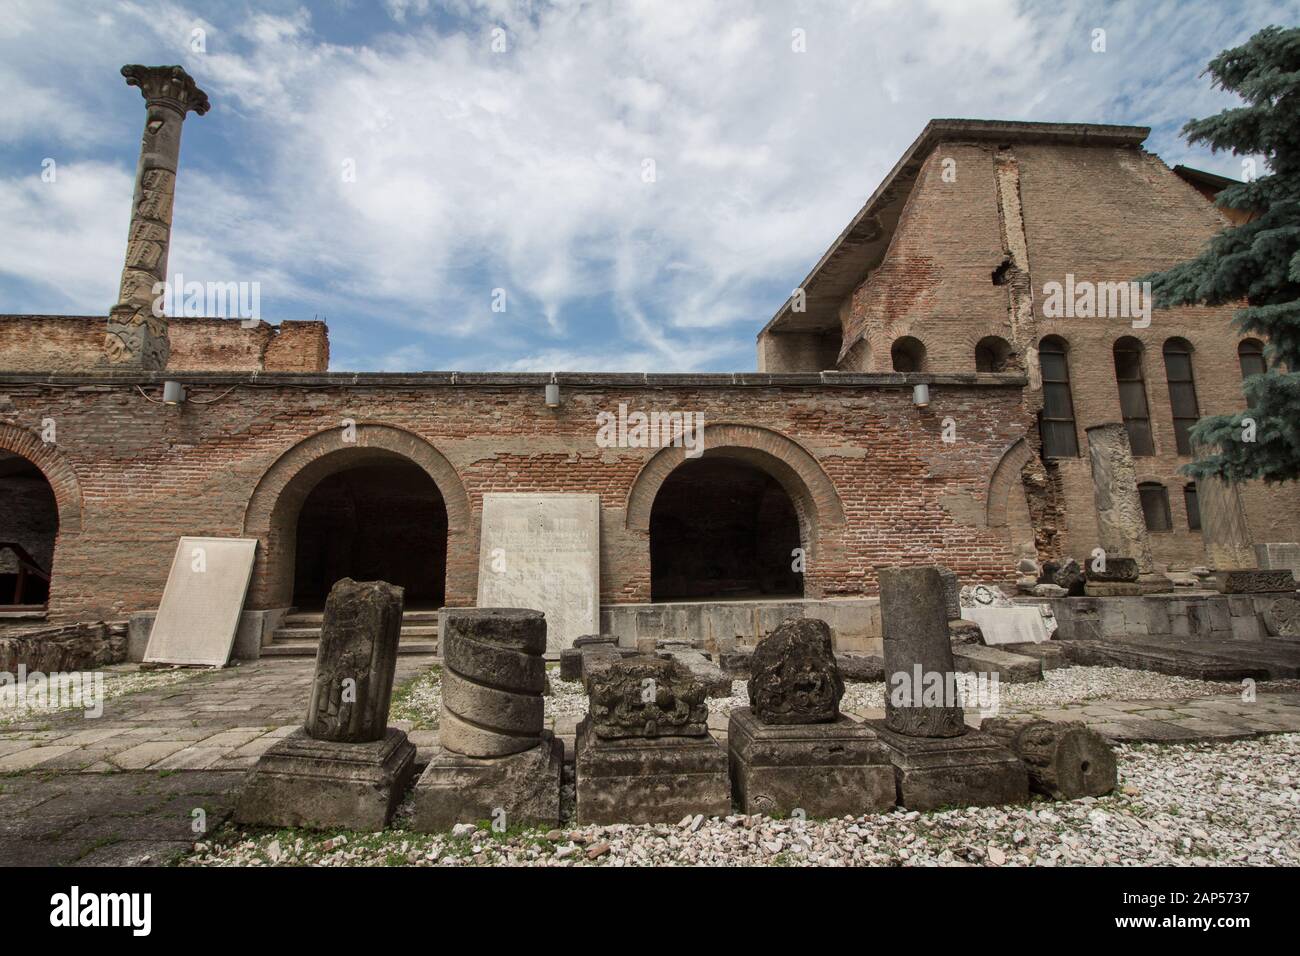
(301, 648)
(309, 632)
(314, 618)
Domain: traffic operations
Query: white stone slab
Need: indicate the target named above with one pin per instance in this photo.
(542, 551)
(1009, 625)
(202, 601)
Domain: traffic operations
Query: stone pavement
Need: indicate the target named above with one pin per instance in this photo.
(220, 720)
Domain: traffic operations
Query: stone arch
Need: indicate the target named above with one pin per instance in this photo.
(1004, 480)
(55, 467)
(816, 502)
(272, 510)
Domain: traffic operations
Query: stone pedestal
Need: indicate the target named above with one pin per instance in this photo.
(972, 770)
(649, 780)
(344, 768)
(825, 770)
(521, 789)
(327, 784)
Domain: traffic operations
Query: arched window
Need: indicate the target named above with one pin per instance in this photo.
(1155, 506)
(1056, 421)
(1251, 355)
(1133, 395)
(907, 354)
(992, 354)
(1193, 504)
(1182, 391)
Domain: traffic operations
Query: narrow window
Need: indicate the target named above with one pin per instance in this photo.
(1193, 506)
(1056, 421)
(1251, 355)
(1155, 506)
(1133, 395)
(1182, 391)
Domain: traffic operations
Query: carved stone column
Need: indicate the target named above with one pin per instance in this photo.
(1122, 530)
(137, 336)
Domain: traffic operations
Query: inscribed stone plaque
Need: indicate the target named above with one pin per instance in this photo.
(202, 601)
(542, 551)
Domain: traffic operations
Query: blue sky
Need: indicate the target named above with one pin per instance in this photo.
(525, 169)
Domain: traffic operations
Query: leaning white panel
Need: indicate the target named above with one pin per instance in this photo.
(202, 601)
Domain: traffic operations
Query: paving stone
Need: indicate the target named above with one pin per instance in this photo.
(142, 755)
(31, 757)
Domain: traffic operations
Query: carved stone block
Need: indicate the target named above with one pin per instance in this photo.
(795, 679)
(644, 696)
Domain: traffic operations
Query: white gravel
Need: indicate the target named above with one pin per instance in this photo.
(1197, 804)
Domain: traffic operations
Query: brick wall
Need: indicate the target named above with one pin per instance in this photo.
(32, 343)
(1103, 214)
(870, 474)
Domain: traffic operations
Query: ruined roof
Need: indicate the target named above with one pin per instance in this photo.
(862, 244)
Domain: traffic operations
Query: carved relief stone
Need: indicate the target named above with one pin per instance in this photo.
(644, 696)
(1121, 527)
(795, 679)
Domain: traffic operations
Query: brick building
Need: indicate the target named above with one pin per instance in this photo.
(828, 452)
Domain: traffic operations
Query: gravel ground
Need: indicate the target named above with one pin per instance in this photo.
(1066, 685)
(1196, 804)
(118, 680)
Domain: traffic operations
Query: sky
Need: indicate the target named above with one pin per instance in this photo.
(633, 185)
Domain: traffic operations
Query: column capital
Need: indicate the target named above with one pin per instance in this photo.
(167, 86)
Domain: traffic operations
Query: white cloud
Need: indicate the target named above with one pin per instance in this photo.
(524, 170)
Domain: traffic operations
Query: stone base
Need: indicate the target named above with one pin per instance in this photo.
(972, 770)
(658, 780)
(323, 784)
(458, 789)
(825, 770)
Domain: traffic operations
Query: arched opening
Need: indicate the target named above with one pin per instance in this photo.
(29, 526)
(992, 354)
(908, 354)
(723, 529)
(374, 521)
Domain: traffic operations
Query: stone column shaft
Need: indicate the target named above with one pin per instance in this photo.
(137, 332)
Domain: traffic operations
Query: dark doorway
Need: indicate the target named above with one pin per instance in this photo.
(722, 529)
(29, 525)
(373, 523)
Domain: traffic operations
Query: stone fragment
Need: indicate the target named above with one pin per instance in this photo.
(951, 593)
(984, 595)
(696, 663)
(825, 770)
(1121, 525)
(965, 632)
(863, 668)
(918, 654)
(1064, 760)
(644, 696)
(355, 663)
(1282, 617)
(1117, 569)
(1067, 575)
(1256, 581)
(794, 676)
(1049, 591)
(493, 678)
(1010, 668)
